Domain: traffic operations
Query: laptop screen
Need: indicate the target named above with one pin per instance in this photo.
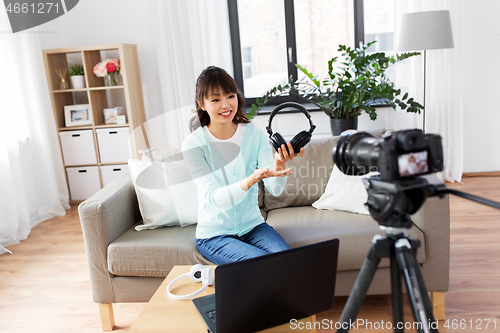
(271, 290)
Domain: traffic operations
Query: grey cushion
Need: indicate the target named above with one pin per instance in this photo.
(310, 175)
(301, 226)
(153, 253)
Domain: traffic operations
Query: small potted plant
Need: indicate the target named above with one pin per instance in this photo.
(357, 85)
(77, 77)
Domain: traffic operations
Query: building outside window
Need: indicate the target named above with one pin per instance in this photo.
(262, 30)
(247, 62)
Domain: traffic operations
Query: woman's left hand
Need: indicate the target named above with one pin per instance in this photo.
(282, 153)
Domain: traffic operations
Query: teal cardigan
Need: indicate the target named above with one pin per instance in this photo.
(212, 172)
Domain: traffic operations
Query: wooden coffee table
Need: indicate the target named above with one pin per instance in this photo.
(163, 314)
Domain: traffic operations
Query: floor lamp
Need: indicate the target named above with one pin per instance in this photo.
(425, 31)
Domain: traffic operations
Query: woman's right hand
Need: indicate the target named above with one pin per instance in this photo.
(260, 174)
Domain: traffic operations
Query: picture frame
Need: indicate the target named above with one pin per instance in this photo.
(77, 115)
(114, 115)
(109, 115)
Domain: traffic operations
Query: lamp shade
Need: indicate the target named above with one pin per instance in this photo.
(426, 31)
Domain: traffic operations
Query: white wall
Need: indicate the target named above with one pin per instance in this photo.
(94, 22)
(481, 45)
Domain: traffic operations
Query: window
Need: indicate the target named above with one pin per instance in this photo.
(262, 49)
(247, 63)
(379, 25)
(270, 36)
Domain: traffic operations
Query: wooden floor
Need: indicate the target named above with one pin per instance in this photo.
(44, 284)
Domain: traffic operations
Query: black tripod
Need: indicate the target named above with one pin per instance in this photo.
(391, 205)
(401, 250)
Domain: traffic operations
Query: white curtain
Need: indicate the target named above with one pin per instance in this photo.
(190, 35)
(444, 90)
(32, 182)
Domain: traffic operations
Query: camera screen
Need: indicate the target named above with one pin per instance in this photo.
(412, 164)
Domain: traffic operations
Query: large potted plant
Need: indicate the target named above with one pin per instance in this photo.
(358, 83)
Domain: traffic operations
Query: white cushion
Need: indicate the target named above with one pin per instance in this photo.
(168, 178)
(155, 201)
(183, 190)
(344, 193)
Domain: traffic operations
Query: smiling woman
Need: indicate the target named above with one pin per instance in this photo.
(230, 226)
(217, 93)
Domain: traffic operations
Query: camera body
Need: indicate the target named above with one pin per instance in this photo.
(399, 155)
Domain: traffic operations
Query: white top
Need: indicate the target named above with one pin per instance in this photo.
(237, 138)
(234, 191)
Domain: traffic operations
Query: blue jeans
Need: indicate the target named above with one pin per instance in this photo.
(224, 249)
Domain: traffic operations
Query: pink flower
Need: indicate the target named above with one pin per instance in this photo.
(100, 70)
(110, 67)
(107, 66)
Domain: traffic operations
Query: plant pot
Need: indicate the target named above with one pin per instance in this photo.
(78, 81)
(339, 125)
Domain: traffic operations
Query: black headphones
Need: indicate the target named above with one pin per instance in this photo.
(299, 140)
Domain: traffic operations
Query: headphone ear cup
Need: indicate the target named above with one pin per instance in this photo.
(277, 141)
(272, 142)
(196, 273)
(300, 140)
(208, 276)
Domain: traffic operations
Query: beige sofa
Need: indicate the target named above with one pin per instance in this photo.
(128, 266)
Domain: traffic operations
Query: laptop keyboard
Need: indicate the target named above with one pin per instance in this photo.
(211, 315)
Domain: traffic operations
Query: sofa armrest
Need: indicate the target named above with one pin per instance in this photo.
(433, 218)
(104, 217)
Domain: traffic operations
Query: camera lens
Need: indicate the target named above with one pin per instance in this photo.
(356, 154)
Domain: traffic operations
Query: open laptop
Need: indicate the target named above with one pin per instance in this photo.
(268, 291)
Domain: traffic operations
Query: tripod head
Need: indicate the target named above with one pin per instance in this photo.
(391, 203)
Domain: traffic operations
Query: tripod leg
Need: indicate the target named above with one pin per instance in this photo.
(397, 296)
(360, 288)
(420, 301)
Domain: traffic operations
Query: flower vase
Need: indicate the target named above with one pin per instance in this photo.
(111, 81)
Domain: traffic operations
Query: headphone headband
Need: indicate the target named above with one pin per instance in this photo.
(197, 273)
(298, 106)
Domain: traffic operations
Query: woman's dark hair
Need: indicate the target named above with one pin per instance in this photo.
(213, 79)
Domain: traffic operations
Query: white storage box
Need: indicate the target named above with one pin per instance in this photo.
(111, 172)
(83, 182)
(114, 144)
(78, 147)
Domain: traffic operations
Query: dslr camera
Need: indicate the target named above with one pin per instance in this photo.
(397, 156)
